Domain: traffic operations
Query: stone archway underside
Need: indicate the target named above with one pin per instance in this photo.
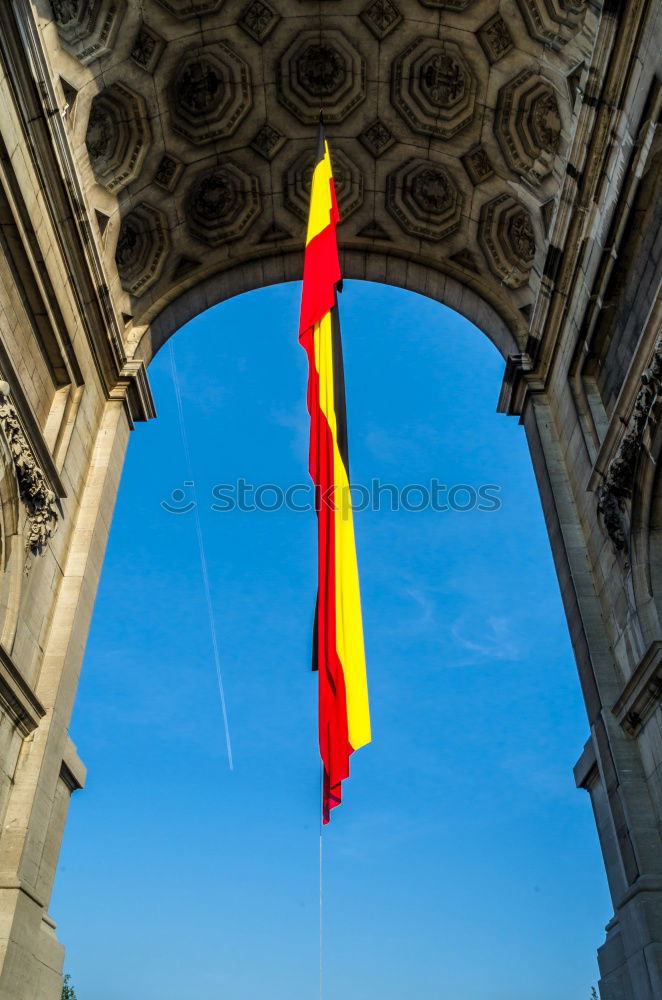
(450, 124)
(500, 156)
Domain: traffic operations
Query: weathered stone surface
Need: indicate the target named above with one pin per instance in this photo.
(528, 125)
(506, 235)
(434, 87)
(502, 158)
(117, 136)
(316, 73)
(425, 200)
(142, 248)
(222, 203)
(210, 93)
(88, 27)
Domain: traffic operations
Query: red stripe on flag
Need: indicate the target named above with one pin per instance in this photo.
(335, 748)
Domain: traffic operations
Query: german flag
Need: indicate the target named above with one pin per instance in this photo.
(338, 655)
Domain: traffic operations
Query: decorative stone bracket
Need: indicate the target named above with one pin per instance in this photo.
(39, 499)
(616, 488)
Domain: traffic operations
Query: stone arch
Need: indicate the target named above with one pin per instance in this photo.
(449, 132)
(378, 267)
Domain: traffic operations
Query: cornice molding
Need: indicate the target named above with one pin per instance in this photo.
(642, 693)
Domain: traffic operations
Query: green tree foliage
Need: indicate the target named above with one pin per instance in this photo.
(68, 992)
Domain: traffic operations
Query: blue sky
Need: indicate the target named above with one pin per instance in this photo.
(463, 864)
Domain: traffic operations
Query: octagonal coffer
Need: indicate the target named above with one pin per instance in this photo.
(117, 136)
(553, 21)
(434, 87)
(210, 93)
(347, 178)
(316, 72)
(425, 199)
(528, 125)
(88, 27)
(507, 238)
(222, 203)
(183, 9)
(142, 248)
(458, 5)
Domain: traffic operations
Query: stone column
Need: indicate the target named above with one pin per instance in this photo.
(610, 767)
(48, 768)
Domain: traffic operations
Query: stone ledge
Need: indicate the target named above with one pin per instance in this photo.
(586, 765)
(643, 691)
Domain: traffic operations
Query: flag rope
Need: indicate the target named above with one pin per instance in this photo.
(202, 555)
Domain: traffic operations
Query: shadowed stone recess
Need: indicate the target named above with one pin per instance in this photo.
(434, 87)
(424, 199)
(222, 203)
(553, 21)
(528, 125)
(88, 27)
(211, 93)
(183, 9)
(506, 235)
(117, 136)
(319, 72)
(142, 248)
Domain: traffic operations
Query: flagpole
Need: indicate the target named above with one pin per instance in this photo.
(321, 879)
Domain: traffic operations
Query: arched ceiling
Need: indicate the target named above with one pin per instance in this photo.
(194, 126)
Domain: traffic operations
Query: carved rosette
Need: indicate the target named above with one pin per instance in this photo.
(142, 248)
(183, 9)
(40, 501)
(424, 199)
(210, 93)
(88, 27)
(319, 72)
(507, 238)
(434, 87)
(528, 125)
(117, 136)
(347, 180)
(616, 489)
(381, 16)
(553, 21)
(222, 203)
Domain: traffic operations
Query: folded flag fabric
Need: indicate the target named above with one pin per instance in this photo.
(338, 653)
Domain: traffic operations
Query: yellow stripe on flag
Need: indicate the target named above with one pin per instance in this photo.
(349, 626)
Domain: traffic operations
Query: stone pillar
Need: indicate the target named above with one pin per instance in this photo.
(48, 768)
(611, 767)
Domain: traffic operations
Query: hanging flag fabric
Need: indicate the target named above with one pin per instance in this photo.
(338, 655)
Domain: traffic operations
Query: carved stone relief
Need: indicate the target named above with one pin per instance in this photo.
(381, 16)
(424, 199)
(184, 9)
(211, 93)
(553, 21)
(222, 203)
(616, 488)
(259, 19)
(506, 236)
(316, 72)
(117, 136)
(528, 125)
(142, 248)
(434, 87)
(88, 27)
(39, 499)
